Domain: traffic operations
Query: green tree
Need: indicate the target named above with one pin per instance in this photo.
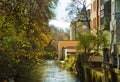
(86, 42)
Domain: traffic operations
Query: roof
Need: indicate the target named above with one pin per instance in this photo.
(95, 59)
(71, 47)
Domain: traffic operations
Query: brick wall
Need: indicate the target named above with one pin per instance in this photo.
(95, 15)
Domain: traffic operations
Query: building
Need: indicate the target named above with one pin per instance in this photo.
(83, 23)
(100, 15)
(115, 29)
(69, 51)
(95, 16)
(73, 31)
(62, 45)
(105, 14)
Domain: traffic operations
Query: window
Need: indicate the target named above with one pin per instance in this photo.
(102, 21)
(102, 2)
(118, 6)
(102, 13)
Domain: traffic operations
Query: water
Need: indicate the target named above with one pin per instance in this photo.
(53, 73)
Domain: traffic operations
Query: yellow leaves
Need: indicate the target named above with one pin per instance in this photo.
(79, 24)
(2, 20)
(22, 34)
(43, 40)
(34, 24)
(44, 37)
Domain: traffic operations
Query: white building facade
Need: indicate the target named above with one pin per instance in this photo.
(115, 28)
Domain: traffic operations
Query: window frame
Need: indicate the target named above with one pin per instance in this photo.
(117, 6)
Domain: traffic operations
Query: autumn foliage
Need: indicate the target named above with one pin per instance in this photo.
(23, 35)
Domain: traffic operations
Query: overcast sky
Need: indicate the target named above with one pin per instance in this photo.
(61, 14)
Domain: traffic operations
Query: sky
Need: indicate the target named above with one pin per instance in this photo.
(59, 21)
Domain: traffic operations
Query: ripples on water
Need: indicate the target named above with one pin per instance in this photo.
(53, 73)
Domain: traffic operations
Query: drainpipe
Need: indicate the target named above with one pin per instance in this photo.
(105, 62)
(97, 16)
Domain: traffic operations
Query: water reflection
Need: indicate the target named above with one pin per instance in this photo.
(52, 73)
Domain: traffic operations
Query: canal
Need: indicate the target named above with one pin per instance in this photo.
(53, 73)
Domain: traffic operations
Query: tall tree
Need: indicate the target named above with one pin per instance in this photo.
(23, 36)
(86, 42)
(79, 7)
